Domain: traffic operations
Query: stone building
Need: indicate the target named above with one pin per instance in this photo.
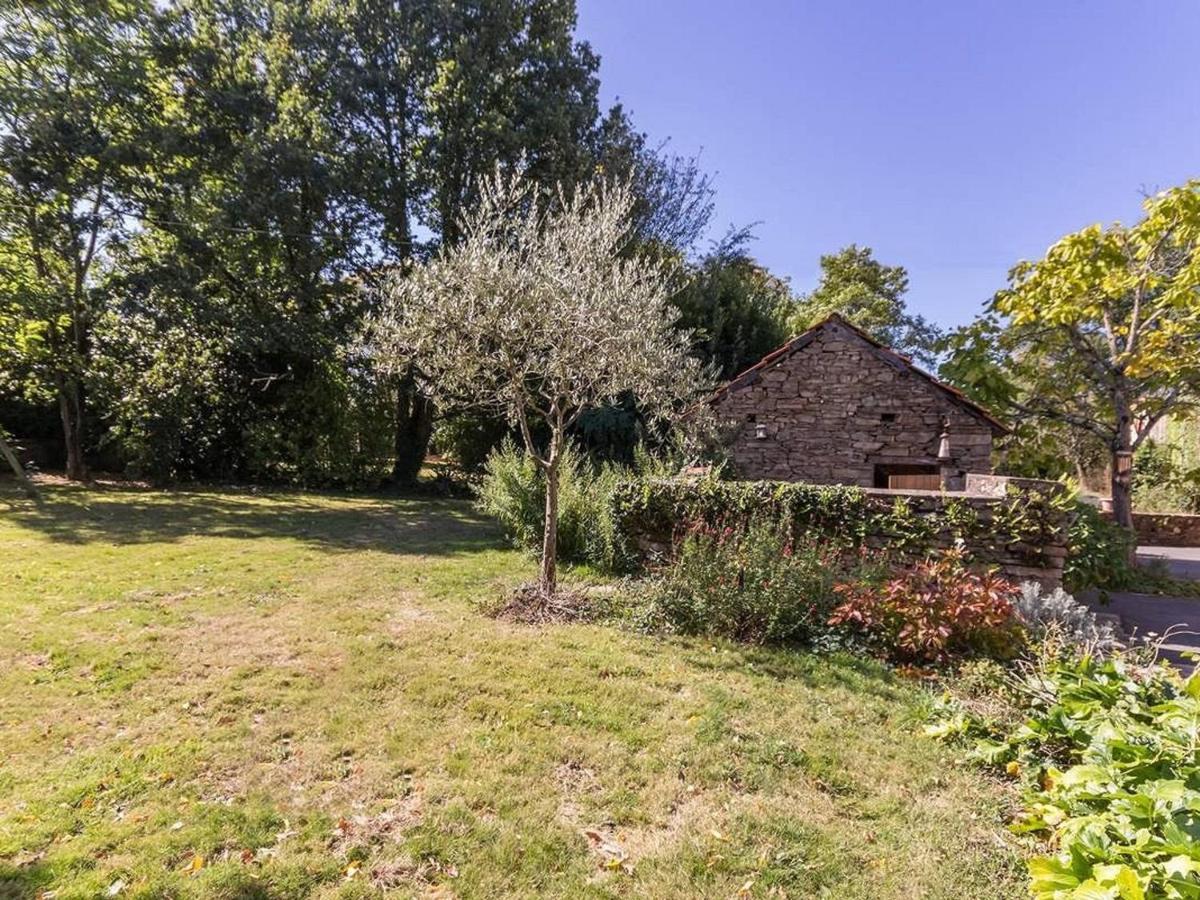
(834, 406)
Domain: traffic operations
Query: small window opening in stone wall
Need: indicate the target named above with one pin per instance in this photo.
(887, 417)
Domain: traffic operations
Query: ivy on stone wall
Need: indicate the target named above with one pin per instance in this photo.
(1024, 527)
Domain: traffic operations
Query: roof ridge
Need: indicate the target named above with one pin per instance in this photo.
(891, 356)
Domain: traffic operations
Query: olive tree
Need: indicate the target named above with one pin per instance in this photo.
(544, 309)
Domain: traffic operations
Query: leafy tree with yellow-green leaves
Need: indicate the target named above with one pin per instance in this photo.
(1103, 333)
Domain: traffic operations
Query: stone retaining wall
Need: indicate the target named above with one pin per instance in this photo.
(1023, 533)
(1038, 555)
(984, 485)
(1167, 529)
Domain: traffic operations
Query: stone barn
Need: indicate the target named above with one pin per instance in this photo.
(834, 406)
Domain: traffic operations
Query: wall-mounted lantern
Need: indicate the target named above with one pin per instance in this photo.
(760, 432)
(944, 442)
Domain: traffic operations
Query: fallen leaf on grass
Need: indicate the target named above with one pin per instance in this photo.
(28, 859)
(612, 854)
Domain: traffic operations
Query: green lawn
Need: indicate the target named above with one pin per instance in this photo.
(212, 694)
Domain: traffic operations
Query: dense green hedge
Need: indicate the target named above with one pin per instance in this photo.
(661, 509)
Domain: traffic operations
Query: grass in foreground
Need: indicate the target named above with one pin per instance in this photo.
(210, 694)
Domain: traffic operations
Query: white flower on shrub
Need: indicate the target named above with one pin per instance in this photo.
(1059, 613)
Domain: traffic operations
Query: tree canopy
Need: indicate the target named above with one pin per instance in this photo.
(1102, 335)
(543, 308)
(870, 295)
(736, 310)
(192, 193)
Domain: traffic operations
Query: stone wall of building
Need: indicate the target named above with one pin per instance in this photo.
(836, 408)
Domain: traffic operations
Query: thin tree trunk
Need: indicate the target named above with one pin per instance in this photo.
(414, 411)
(414, 429)
(22, 479)
(1121, 477)
(70, 408)
(548, 580)
(1122, 487)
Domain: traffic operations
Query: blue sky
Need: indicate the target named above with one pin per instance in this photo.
(952, 137)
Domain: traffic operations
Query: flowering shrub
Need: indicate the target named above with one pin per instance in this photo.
(934, 611)
(1106, 752)
(757, 585)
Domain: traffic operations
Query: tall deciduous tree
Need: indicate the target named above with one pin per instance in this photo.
(74, 87)
(382, 59)
(249, 160)
(230, 307)
(512, 82)
(1104, 331)
(541, 310)
(871, 295)
(430, 97)
(977, 361)
(736, 310)
(674, 194)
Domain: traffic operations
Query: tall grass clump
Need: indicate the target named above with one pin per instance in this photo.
(513, 491)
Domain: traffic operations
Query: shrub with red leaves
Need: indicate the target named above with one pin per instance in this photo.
(933, 612)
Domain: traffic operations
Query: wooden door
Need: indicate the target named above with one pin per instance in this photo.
(923, 481)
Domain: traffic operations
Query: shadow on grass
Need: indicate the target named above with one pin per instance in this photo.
(815, 668)
(18, 882)
(22, 882)
(127, 515)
